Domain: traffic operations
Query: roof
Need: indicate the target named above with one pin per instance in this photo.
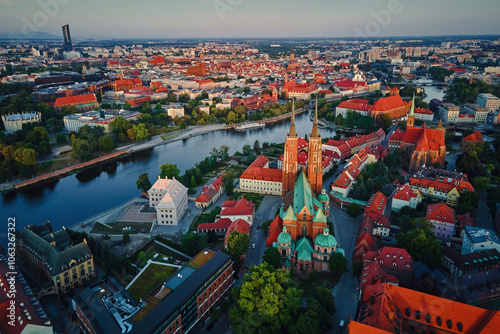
(427, 310)
(441, 212)
(260, 162)
(431, 138)
(179, 296)
(391, 257)
(302, 194)
(243, 207)
(479, 235)
(377, 203)
(325, 239)
(76, 99)
(222, 223)
(470, 262)
(405, 193)
(284, 237)
(265, 174)
(388, 103)
(304, 249)
(474, 137)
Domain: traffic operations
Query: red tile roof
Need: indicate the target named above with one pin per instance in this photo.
(239, 225)
(243, 207)
(376, 204)
(260, 162)
(474, 137)
(222, 223)
(404, 193)
(441, 212)
(391, 257)
(444, 185)
(388, 103)
(265, 174)
(76, 99)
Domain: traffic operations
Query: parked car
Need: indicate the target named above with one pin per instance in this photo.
(253, 246)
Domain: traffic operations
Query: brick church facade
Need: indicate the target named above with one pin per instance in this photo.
(305, 242)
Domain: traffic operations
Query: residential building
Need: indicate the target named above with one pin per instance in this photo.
(448, 112)
(174, 111)
(394, 261)
(210, 194)
(28, 315)
(405, 196)
(459, 264)
(303, 91)
(51, 257)
(239, 225)
(357, 105)
(186, 298)
(169, 198)
(446, 190)
(241, 209)
(14, 122)
(395, 309)
(480, 113)
(477, 239)
(488, 101)
(472, 139)
(443, 219)
(259, 178)
(425, 115)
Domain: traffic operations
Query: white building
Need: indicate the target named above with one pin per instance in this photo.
(14, 122)
(480, 113)
(489, 101)
(449, 112)
(169, 198)
(405, 196)
(73, 122)
(175, 111)
(477, 239)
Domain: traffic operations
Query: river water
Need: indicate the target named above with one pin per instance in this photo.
(77, 197)
(432, 92)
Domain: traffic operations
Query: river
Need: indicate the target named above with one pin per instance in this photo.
(77, 197)
(433, 92)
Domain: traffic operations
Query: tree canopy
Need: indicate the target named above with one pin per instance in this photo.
(170, 171)
(422, 245)
(272, 257)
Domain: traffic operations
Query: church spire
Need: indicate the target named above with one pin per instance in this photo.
(412, 108)
(292, 132)
(411, 118)
(315, 124)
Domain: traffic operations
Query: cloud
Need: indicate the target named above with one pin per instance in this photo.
(6, 2)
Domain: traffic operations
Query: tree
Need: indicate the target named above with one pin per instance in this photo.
(231, 117)
(325, 298)
(338, 264)
(143, 183)
(61, 138)
(169, 171)
(481, 184)
(265, 226)
(215, 315)
(267, 301)
(140, 132)
(126, 238)
(256, 146)
(192, 243)
(357, 268)
(247, 150)
(272, 257)
(119, 125)
(106, 144)
(192, 182)
(385, 122)
(228, 183)
(26, 156)
(131, 134)
(237, 244)
(82, 149)
(354, 210)
(422, 246)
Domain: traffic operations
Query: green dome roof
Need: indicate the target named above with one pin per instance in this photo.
(325, 239)
(323, 197)
(284, 237)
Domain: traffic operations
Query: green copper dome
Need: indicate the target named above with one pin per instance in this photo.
(284, 237)
(325, 239)
(323, 197)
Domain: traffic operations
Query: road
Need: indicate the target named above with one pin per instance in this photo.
(483, 215)
(266, 211)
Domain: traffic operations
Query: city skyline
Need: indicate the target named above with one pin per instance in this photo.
(245, 19)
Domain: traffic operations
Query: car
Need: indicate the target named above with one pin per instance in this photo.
(341, 325)
(258, 227)
(105, 236)
(253, 246)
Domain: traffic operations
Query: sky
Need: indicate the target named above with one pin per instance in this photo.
(251, 18)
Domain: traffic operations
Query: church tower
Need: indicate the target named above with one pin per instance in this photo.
(290, 164)
(411, 115)
(315, 161)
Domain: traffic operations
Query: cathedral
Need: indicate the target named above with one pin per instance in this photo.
(304, 242)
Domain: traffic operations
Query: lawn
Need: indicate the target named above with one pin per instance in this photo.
(217, 171)
(200, 259)
(153, 276)
(149, 252)
(235, 171)
(117, 228)
(254, 198)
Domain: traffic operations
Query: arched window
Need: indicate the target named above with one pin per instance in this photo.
(303, 231)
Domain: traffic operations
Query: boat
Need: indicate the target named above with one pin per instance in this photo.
(248, 126)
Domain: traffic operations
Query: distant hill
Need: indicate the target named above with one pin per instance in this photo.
(31, 35)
